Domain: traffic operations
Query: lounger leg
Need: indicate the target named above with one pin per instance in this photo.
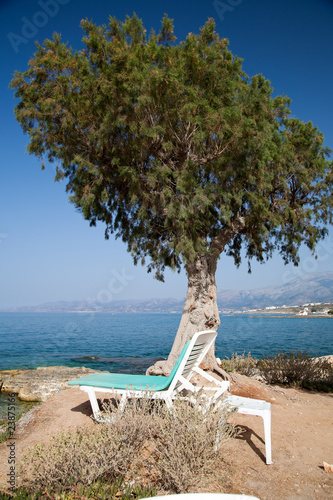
(94, 403)
(168, 402)
(267, 430)
(122, 402)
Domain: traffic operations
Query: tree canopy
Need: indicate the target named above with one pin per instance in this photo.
(173, 146)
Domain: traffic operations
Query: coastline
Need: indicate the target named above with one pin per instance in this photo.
(286, 315)
(38, 384)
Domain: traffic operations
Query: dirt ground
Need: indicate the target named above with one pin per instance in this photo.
(302, 438)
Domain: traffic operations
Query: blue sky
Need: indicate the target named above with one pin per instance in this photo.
(47, 251)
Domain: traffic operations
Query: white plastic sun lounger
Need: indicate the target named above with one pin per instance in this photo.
(260, 408)
(167, 388)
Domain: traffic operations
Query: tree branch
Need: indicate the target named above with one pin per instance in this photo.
(226, 234)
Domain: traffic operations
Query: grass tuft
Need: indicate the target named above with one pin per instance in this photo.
(240, 363)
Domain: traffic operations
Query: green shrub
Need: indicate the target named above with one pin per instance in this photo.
(297, 369)
(245, 365)
(98, 490)
(5, 433)
(172, 449)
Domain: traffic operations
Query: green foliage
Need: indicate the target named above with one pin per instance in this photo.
(21, 494)
(166, 449)
(5, 432)
(98, 490)
(297, 369)
(174, 147)
(245, 365)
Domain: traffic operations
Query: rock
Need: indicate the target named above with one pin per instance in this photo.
(39, 384)
(250, 388)
(328, 467)
(329, 359)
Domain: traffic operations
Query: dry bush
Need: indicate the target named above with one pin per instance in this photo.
(181, 443)
(79, 456)
(83, 455)
(240, 363)
(298, 369)
(186, 444)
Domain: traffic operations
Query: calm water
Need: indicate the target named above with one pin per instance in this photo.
(131, 342)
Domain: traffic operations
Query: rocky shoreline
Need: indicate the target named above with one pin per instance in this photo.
(40, 383)
(37, 385)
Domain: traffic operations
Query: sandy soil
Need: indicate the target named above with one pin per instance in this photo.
(302, 438)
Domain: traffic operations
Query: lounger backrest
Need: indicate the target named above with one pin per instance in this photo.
(179, 360)
(197, 349)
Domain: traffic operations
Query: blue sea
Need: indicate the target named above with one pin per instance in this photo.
(132, 342)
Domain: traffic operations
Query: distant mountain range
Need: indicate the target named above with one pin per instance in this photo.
(310, 288)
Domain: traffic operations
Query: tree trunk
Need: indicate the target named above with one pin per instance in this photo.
(200, 313)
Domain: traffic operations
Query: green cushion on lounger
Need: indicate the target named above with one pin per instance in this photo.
(124, 381)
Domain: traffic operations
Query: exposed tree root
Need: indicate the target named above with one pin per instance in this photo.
(158, 369)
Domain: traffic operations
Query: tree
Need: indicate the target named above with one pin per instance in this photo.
(178, 152)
